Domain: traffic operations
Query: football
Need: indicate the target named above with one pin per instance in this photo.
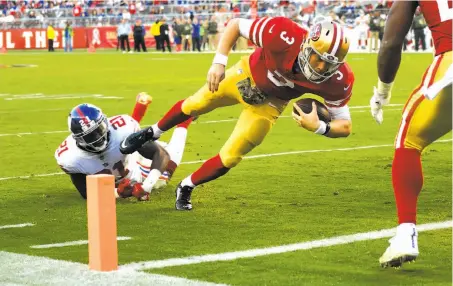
(306, 105)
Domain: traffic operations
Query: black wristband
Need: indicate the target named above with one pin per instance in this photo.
(327, 128)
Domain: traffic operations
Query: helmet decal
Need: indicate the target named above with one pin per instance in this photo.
(315, 32)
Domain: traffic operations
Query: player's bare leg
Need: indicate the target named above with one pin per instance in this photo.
(175, 149)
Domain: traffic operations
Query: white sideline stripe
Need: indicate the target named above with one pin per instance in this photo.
(227, 256)
(17, 225)
(21, 269)
(196, 122)
(247, 157)
(32, 110)
(72, 243)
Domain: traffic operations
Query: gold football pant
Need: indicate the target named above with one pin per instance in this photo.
(424, 121)
(254, 122)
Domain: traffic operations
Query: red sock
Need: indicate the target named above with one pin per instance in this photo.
(407, 178)
(139, 111)
(210, 170)
(173, 117)
(186, 123)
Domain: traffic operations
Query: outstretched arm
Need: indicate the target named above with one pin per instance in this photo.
(399, 22)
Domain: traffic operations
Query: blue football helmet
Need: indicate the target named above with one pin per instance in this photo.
(89, 127)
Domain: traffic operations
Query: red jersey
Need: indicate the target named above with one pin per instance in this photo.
(279, 41)
(438, 15)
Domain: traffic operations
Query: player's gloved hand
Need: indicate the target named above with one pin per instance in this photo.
(215, 75)
(381, 97)
(124, 189)
(139, 192)
(309, 121)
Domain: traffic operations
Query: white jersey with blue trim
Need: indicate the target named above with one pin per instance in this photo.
(73, 159)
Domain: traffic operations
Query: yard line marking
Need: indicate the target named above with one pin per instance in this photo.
(72, 243)
(32, 176)
(21, 269)
(228, 256)
(17, 225)
(247, 157)
(31, 110)
(196, 122)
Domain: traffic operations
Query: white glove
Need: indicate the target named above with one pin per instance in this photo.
(377, 101)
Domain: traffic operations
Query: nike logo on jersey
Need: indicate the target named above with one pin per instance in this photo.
(270, 30)
(346, 88)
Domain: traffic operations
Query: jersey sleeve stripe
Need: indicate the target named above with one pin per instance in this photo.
(255, 30)
(334, 40)
(260, 38)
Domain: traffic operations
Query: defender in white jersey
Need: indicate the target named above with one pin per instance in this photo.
(93, 148)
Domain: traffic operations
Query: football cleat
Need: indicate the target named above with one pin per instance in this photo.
(134, 141)
(183, 195)
(403, 247)
(144, 98)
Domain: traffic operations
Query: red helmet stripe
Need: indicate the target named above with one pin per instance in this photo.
(80, 113)
(341, 40)
(334, 38)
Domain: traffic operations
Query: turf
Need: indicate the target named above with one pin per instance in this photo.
(263, 202)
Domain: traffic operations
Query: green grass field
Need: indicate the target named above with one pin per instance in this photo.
(264, 202)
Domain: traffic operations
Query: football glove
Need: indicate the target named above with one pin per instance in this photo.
(381, 97)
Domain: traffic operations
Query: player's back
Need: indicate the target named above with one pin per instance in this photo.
(73, 159)
(438, 15)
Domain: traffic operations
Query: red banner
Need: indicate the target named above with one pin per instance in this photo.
(100, 37)
(19, 39)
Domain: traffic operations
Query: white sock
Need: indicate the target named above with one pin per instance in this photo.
(188, 182)
(151, 180)
(157, 131)
(175, 147)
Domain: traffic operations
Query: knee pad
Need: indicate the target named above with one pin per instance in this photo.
(229, 160)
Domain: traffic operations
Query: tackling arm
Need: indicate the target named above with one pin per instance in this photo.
(80, 182)
(399, 22)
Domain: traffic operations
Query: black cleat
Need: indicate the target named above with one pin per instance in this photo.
(136, 140)
(183, 194)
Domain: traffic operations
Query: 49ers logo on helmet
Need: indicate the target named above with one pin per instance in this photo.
(315, 32)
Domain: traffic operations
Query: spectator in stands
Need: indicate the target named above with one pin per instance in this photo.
(50, 37)
(155, 31)
(212, 33)
(124, 30)
(139, 36)
(186, 35)
(68, 35)
(196, 35)
(164, 35)
(204, 35)
(374, 24)
(419, 25)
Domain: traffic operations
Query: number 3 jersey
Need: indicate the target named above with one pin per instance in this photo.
(279, 42)
(73, 159)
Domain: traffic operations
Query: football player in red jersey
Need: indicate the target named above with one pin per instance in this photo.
(427, 114)
(288, 62)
